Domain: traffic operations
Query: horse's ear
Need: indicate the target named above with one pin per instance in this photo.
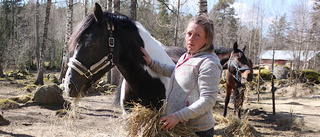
(98, 13)
(244, 48)
(235, 46)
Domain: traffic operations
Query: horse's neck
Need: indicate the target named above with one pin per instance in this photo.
(223, 59)
(138, 74)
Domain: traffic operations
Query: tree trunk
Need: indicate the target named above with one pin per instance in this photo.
(85, 7)
(52, 55)
(39, 80)
(176, 30)
(12, 22)
(202, 7)
(1, 71)
(133, 11)
(67, 36)
(37, 34)
(109, 5)
(272, 86)
(116, 6)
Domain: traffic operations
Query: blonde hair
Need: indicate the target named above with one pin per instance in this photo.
(208, 26)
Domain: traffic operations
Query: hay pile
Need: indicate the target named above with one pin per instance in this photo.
(233, 126)
(144, 122)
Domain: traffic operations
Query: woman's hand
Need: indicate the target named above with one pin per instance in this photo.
(169, 121)
(146, 56)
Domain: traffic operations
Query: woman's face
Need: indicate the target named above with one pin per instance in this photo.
(195, 37)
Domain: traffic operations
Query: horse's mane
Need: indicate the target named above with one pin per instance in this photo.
(80, 29)
(222, 50)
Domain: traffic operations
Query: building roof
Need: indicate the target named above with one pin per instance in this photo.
(287, 55)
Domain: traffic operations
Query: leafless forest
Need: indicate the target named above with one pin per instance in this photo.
(34, 37)
(34, 34)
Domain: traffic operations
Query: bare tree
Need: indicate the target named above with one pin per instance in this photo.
(300, 30)
(39, 80)
(67, 36)
(109, 6)
(37, 34)
(202, 7)
(85, 7)
(133, 11)
(116, 6)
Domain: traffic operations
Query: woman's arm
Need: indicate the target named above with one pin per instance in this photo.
(164, 69)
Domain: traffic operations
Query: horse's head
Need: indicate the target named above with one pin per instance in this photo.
(92, 44)
(239, 65)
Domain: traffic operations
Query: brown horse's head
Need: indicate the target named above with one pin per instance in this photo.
(239, 65)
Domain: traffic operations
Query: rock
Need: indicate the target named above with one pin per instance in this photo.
(281, 72)
(8, 104)
(3, 121)
(254, 112)
(21, 98)
(49, 95)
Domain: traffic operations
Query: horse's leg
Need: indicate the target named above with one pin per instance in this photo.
(227, 99)
(236, 100)
(241, 94)
(127, 97)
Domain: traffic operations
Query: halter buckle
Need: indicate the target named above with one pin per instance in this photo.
(111, 42)
(88, 74)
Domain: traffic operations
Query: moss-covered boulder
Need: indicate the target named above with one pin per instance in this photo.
(21, 98)
(16, 75)
(8, 104)
(265, 74)
(48, 95)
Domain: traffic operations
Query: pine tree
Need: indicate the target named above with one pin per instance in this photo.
(225, 23)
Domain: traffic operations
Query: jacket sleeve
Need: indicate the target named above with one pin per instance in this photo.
(208, 81)
(164, 69)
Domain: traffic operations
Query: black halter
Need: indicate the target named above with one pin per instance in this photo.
(237, 69)
(104, 62)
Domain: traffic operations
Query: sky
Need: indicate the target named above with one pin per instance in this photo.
(244, 8)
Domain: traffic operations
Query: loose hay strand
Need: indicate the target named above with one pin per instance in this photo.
(144, 122)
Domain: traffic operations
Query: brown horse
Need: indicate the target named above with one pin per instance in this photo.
(239, 71)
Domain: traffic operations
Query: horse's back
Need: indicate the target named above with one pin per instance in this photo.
(222, 50)
(153, 47)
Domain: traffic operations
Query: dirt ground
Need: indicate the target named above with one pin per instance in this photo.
(96, 116)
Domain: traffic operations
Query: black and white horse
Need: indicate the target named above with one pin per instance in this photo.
(104, 40)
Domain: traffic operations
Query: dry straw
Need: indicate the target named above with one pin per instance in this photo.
(144, 122)
(233, 126)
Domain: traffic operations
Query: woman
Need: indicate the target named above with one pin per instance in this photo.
(194, 80)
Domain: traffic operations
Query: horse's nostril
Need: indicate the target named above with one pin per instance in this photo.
(250, 77)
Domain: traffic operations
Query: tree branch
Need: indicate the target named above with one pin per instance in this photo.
(165, 4)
